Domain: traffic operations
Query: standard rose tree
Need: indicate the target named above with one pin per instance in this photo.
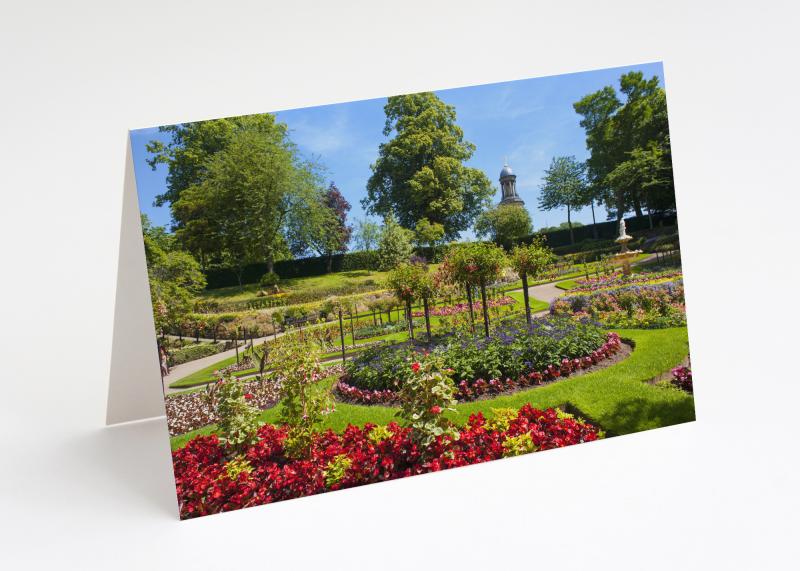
(530, 261)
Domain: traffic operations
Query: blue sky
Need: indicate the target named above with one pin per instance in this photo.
(526, 121)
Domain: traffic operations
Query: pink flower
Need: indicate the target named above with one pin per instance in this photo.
(436, 409)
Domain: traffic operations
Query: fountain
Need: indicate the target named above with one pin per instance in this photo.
(625, 256)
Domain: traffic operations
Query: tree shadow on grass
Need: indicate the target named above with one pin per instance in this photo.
(637, 414)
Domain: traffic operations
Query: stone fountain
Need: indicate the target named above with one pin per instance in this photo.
(625, 255)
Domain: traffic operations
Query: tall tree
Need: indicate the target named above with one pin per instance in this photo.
(420, 172)
(247, 195)
(615, 129)
(564, 186)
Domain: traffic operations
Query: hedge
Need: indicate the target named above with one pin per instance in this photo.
(605, 230)
(300, 268)
(192, 352)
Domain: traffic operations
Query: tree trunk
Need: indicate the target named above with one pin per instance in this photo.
(650, 217)
(341, 333)
(270, 263)
(236, 344)
(526, 297)
(410, 319)
(594, 222)
(569, 223)
(329, 262)
(469, 303)
(485, 308)
(352, 329)
(637, 205)
(427, 318)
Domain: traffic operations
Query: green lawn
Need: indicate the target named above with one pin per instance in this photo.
(567, 285)
(617, 398)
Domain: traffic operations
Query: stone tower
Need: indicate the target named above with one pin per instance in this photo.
(508, 186)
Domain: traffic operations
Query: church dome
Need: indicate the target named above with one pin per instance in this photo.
(506, 171)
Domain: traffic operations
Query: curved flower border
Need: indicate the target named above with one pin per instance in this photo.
(471, 390)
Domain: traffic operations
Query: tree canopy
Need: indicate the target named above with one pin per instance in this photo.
(619, 132)
(564, 186)
(504, 224)
(420, 171)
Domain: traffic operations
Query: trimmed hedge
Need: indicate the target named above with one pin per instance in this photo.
(193, 352)
(605, 230)
(300, 268)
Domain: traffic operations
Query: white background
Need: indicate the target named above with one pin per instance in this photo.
(717, 493)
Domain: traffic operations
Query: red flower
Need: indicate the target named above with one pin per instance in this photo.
(415, 367)
(436, 409)
(248, 396)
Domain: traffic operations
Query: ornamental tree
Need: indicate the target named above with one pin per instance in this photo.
(504, 224)
(411, 282)
(475, 264)
(530, 260)
(394, 246)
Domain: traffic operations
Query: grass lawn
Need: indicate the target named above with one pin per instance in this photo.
(617, 398)
(567, 284)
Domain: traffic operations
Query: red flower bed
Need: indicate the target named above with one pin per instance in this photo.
(471, 390)
(207, 484)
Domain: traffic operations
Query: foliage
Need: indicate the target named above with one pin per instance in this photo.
(237, 419)
(303, 405)
(193, 352)
(322, 226)
(367, 235)
(682, 378)
(427, 391)
(420, 172)
(564, 186)
(353, 458)
(519, 445)
(512, 350)
(473, 263)
(269, 280)
(395, 244)
(531, 259)
(174, 277)
(237, 466)
(504, 224)
(427, 233)
(635, 131)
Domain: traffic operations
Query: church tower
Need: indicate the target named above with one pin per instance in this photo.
(508, 186)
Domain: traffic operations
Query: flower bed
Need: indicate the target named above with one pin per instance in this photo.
(190, 411)
(514, 354)
(616, 280)
(462, 307)
(474, 389)
(682, 378)
(210, 479)
(651, 306)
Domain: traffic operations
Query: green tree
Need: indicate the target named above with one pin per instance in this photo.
(427, 233)
(615, 129)
(174, 276)
(530, 261)
(564, 186)
(475, 264)
(504, 224)
(420, 172)
(394, 246)
(367, 235)
(411, 282)
(320, 225)
(250, 192)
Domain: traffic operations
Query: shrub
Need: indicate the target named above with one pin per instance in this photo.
(682, 378)
(237, 419)
(428, 392)
(269, 280)
(193, 352)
